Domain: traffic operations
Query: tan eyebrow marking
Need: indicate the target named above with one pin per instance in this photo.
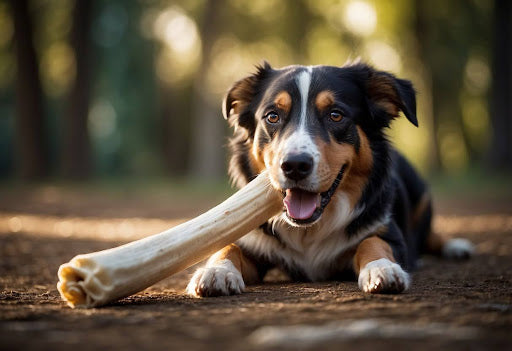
(382, 92)
(283, 101)
(324, 99)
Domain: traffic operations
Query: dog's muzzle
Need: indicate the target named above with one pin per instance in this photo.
(304, 207)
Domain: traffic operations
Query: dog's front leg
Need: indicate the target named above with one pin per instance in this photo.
(377, 269)
(225, 273)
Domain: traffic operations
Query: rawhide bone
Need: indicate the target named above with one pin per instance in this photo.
(101, 277)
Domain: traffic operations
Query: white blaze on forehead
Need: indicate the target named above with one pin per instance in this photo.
(300, 141)
(303, 82)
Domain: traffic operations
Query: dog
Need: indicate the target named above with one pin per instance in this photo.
(353, 206)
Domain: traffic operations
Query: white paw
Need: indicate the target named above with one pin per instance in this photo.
(383, 276)
(219, 280)
(458, 249)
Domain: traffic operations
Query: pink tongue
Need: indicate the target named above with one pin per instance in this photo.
(300, 204)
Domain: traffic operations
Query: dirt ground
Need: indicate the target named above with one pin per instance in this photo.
(451, 305)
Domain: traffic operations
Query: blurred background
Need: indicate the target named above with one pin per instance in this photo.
(111, 130)
(114, 89)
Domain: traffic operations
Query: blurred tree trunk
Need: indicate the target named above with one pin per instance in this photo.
(174, 131)
(421, 33)
(500, 155)
(445, 52)
(76, 150)
(298, 29)
(31, 146)
(207, 152)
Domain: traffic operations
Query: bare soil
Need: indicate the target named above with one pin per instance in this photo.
(451, 305)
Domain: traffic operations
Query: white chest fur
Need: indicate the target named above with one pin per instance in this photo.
(311, 249)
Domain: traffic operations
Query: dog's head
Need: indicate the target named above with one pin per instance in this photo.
(314, 129)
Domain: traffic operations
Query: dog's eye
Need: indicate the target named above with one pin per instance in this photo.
(272, 117)
(335, 116)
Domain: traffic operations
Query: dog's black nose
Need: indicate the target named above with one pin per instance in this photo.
(297, 166)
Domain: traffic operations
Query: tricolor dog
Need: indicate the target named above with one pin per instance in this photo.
(352, 205)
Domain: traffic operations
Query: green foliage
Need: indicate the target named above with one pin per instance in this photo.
(147, 57)
(124, 98)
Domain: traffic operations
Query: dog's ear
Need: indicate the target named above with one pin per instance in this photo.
(388, 94)
(241, 94)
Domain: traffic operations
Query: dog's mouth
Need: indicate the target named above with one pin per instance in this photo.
(305, 207)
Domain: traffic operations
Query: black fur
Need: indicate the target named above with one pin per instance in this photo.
(364, 95)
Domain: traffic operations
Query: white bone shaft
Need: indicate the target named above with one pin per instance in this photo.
(98, 278)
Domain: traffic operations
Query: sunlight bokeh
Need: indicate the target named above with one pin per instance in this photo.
(477, 75)
(6, 26)
(266, 11)
(454, 156)
(152, 60)
(58, 69)
(475, 116)
(360, 17)
(181, 52)
(177, 31)
(383, 56)
(102, 119)
(325, 48)
(233, 60)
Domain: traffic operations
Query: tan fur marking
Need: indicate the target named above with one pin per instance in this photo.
(256, 162)
(256, 156)
(382, 92)
(284, 101)
(333, 156)
(358, 170)
(371, 249)
(235, 106)
(271, 161)
(435, 243)
(324, 99)
(420, 208)
(245, 266)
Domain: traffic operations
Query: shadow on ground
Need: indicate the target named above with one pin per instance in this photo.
(457, 306)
